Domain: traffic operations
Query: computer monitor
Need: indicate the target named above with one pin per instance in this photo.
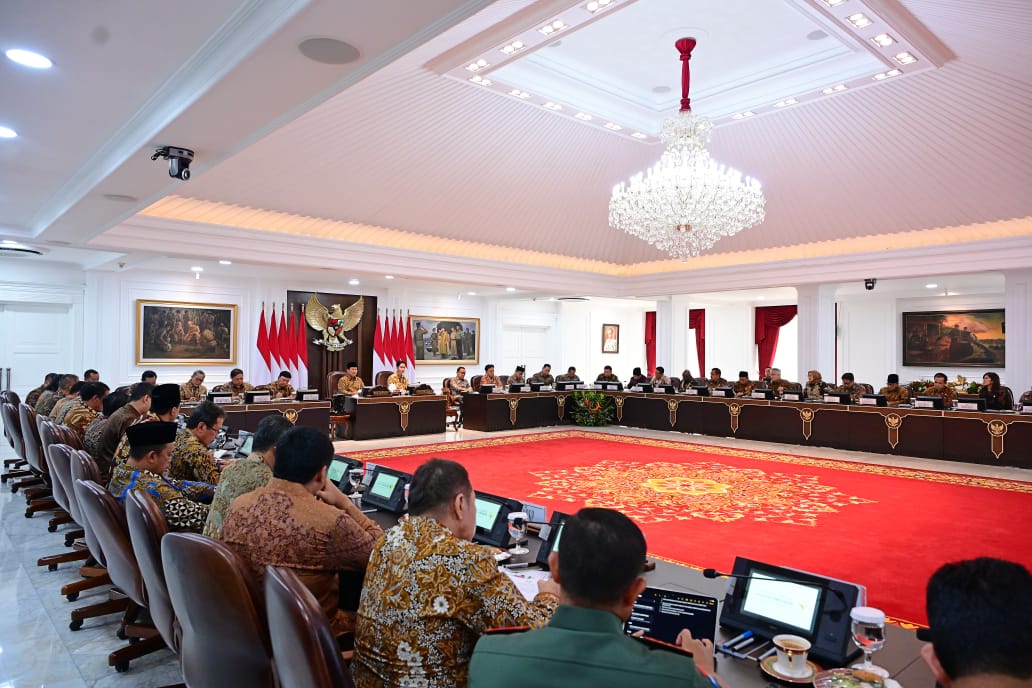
(386, 490)
(338, 472)
(493, 519)
(971, 404)
(246, 440)
(838, 398)
(517, 388)
(726, 392)
(873, 400)
(929, 401)
(699, 390)
(768, 600)
(645, 387)
(220, 397)
(258, 396)
(555, 533)
(306, 395)
(617, 386)
(563, 386)
(665, 389)
(762, 394)
(535, 386)
(366, 391)
(486, 389)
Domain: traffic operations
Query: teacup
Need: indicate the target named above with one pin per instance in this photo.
(792, 650)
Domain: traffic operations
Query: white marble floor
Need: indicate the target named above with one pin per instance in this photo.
(38, 649)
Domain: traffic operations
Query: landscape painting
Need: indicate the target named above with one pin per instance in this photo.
(174, 333)
(954, 338)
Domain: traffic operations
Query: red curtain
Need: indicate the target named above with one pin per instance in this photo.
(769, 320)
(650, 342)
(697, 322)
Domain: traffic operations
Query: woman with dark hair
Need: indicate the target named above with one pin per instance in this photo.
(997, 397)
(637, 378)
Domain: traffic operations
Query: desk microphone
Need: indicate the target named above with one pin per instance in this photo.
(835, 614)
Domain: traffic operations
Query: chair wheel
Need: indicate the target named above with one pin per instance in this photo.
(28, 513)
(51, 567)
(69, 541)
(122, 668)
(121, 634)
(14, 488)
(72, 596)
(51, 528)
(133, 641)
(75, 625)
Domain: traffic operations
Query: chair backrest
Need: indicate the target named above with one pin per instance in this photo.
(303, 644)
(504, 379)
(69, 436)
(381, 378)
(225, 636)
(48, 435)
(10, 397)
(84, 468)
(147, 526)
(474, 382)
(331, 382)
(60, 461)
(107, 518)
(30, 434)
(446, 385)
(12, 425)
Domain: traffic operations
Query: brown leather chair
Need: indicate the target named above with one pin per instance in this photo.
(452, 412)
(225, 635)
(380, 380)
(38, 497)
(331, 382)
(474, 382)
(505, 380)
(337, 419)
(147, 526)
(18, 467)
(107, 519)
(61, 475)
(303, 645)
(49, 435)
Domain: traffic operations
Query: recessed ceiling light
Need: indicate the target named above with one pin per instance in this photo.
(471, 293)
(480, 80)
(513, 47)
(833, 3)
(7, 132)
(883, 39)
(328, 51)
(905, 58)
(553, 106)
(859, 20)
(29, 58)
(596, 5)
(477, 66)
(613, 126)
(197, 268)
(885, 75)
(931, 285)
(743, 115)
(225, 262)
(833, 89)
(519, 94)
(510, 289)
(388, 276)
(353, 282)
(639, 135)
(785, 103)
(552, 27)
(584, 116)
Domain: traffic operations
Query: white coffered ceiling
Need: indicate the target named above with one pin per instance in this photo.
(406, 156)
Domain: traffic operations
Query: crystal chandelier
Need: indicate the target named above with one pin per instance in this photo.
(686, 202)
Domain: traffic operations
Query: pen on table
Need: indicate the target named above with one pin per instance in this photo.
(768, 653)
(740, 636)
(521, 565)
(728, 651)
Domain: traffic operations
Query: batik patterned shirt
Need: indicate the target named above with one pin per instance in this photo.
(121, 454)
(91, 438)
(428, 596)
(179, 500)
(277, 392)
(237, 392)
(283, 524)
(191, 460)
(244, 476)
(349, 385)
(744, 389)
(191, 392)
(33, 396)
(948, 394)
(47, 403)
(855, 391)
(895, 397)
(62, 407)
(79, 419)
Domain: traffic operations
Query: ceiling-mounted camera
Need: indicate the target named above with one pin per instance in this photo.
(179, 160)
(869, 283)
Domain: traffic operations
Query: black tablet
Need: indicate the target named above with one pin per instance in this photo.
(662, 614)
(555, 532)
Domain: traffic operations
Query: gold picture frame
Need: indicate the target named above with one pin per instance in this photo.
(179, 333)
(457, 350)
(610, 338)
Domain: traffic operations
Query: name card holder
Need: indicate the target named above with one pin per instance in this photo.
(307, 395)
(923, 403)
(967, 406)
(792, 395)
(758, 395)
(691, 390)
(868, 401)
(1025, 408)
(832, 399)
(720, 392)
(257, 397)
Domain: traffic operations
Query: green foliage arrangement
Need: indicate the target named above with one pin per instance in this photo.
(592, 408)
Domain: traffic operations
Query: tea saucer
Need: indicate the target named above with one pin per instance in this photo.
(769, 666)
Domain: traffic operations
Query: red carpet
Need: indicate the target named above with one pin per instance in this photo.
(888, 528)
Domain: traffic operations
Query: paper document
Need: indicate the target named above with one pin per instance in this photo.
(526, 580)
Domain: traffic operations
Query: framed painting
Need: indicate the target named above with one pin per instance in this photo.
(941, 339)
(439, 339)
(174, 333)
(610, 339)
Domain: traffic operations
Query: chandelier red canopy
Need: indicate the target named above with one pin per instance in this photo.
(686, 202)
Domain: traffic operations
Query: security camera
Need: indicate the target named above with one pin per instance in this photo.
(869, 283)
(179, 160)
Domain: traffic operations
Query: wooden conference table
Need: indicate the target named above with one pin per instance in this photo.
(994, 438)
(312, 414)
(394, 416)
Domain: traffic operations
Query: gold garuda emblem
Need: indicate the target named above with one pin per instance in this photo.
(332, 322)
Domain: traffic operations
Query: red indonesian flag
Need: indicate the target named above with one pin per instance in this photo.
(274, 350)
(263, 339)
(410, 347)
(301, 350)
(284, 342)
(291, 344)
(399, 340)
(377, 341)
(388, 344)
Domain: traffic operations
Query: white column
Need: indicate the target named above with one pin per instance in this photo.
(816, 329)
(1018, 304)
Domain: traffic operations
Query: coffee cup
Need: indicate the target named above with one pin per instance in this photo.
(792, 651)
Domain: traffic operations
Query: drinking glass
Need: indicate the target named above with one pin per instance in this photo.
(517, 528)
(355, 476)
(868, 630)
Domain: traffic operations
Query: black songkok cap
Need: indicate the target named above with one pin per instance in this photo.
(166, 396)
(151, 434)
(892, 378)
(743, 373)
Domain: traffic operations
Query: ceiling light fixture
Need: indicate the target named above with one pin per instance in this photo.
(519, 94)
(686, 202)
(388, 276)
(639, 135)
(553, 27)
(743, 115)
(353, 282)
(225, 262)
(785, 103)
(477, 66)
(886, 75)
(833, 89)
(904, 58)
(28, 58)
(471, 293)
(833, 3)
(597, 5)
(613, 126)
(584, 116)
(513, 47)
(553, 106)
(859, 20)
(510, 289)
(476, 79)
(7, 132)
(883, 39)
(931, 285)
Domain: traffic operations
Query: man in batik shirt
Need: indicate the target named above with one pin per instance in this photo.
(939, 388)
(893, 393)
(164, 407)
(430, 593)
(150, 451)
(91, 401)
(191, 458)
(744, 386)
(236, 385)
(194, 389)
(350, 383)
(850, 386)
(281, 388)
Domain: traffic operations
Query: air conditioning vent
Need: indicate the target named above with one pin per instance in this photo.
(15, 251)
(574, 298)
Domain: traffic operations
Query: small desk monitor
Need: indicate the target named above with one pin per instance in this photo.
(306, 395)
(563, 386)
(258, 396)
(929, 401)
(762, 394)
(338, 472)
(873, 400)
(838, 398)
(493, 519)
(645, 387)
(726, 392)
(665, 389)
(220, 397)
(517, 388)
(793, 395)
(535, 386)
(486, 389)
(971, 404)
(246, 440)
(699, 390)
(555, 533)
(386, 490)
(617, 386)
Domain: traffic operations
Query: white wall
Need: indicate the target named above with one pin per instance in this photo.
(581, 336)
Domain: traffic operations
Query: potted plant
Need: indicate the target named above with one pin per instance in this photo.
(592, 408)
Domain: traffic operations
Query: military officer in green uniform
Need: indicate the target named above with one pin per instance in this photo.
(607, 375)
